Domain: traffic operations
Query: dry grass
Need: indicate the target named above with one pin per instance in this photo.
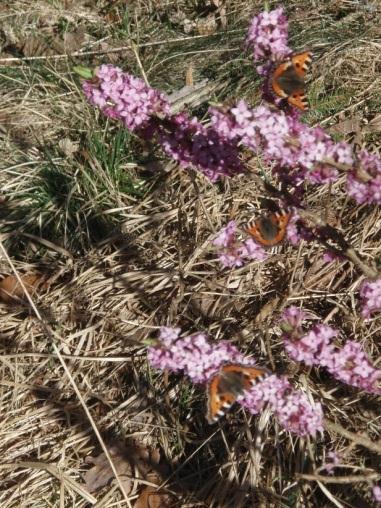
(126, 237)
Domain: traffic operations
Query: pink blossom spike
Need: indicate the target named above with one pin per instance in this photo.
(292, 408)
(370, 294)
(333, 460)
(364, 185)
(125, 97)
(193, 355)
(348, 364)
(201, 360)
(268, 35)
(233, 252)
(376, 491)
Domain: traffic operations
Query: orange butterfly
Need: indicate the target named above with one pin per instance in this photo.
(269, 230)
(288, 82)
(228, 386)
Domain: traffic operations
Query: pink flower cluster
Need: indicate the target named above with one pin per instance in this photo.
(294, 233)
(200, 360)
(370, 294)
(232, 252)
(268, 36)
(376, 491)
(193, 355)
(364, 185)
(191, 144)
(122, 96)
(292, 408)
(299, 152)
(296, 151)
(334, 461)
(348, 364)
(125, 97)
(303, 152)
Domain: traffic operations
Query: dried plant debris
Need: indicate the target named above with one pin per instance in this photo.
(150, 497)
(131, 462)
(134, 234)
(12, 291)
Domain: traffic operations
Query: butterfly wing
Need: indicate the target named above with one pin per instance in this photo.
(276, 79)
(270, 230)
(219, 401)
(288, 80)
(281, 220)
(301, 62)
(228, 385)
(298, 99)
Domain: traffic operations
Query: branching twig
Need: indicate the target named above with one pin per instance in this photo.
(358, 439)
(339, 479)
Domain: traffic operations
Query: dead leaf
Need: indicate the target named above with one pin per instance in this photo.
(11, 290)
(72, 41)
(38, 45)
(207, 26)
(125, 460)
(346, 126)
(101, 473)
(151, 498)
(35, 46)
(68, 147)
(374, 125)
(267, 310)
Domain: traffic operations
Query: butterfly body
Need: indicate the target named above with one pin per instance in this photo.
(228, 386)
(288, 80)
(269, 230)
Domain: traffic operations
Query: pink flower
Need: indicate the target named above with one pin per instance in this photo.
(200, 360)
(268, 35)
(193, 354)
(329, 256)
(364, 181)
(348, 364)
(233, 252)
(376, 491)
(294, 236)
(312, 348)
(292, 408)
(120, 95)
(227, 235)
(334, 461)
(370, 294)
(193, 145)
(300, 152)
(352, 366)
(292, 318)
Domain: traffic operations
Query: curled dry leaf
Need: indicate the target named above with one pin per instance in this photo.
(11, 291)
(72, 41)
(101, 473)
(34, 46)
(207, 26)
(267, 310)
(150, 497)
(41, 45)
(346, 126)
(68, 147)
(374, 125)
(130, 462)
